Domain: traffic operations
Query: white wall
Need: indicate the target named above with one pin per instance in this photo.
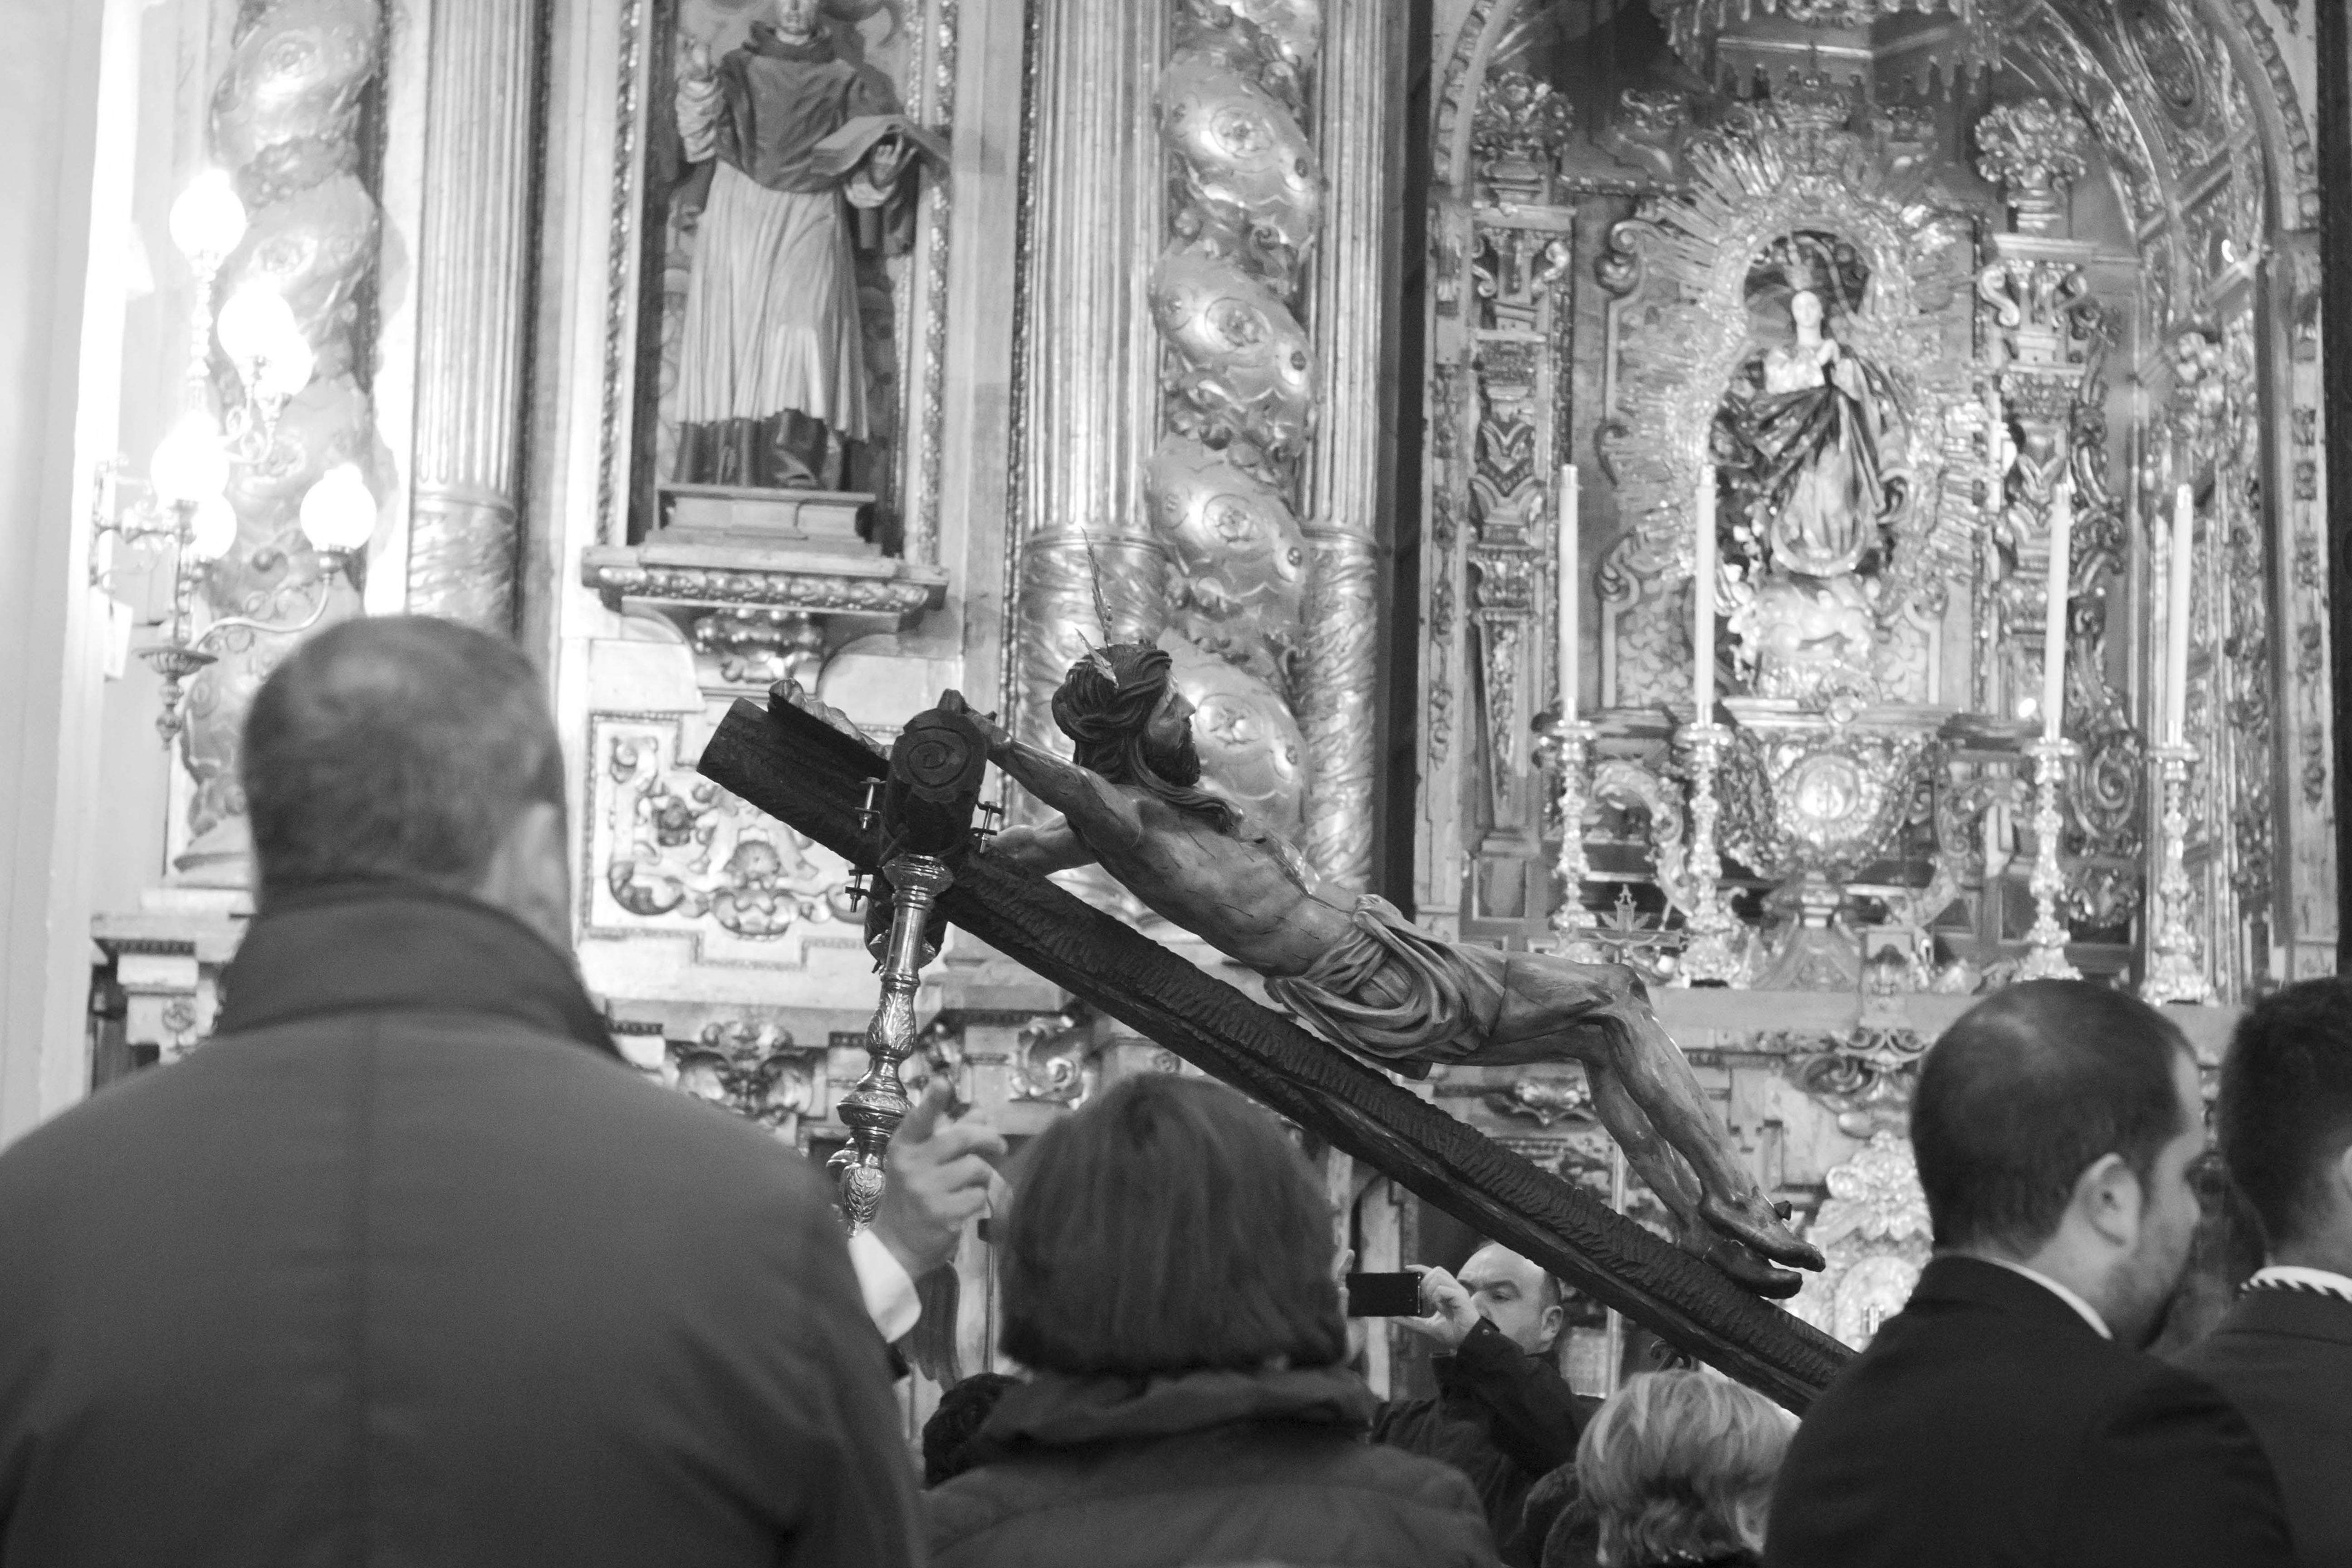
(50, 656)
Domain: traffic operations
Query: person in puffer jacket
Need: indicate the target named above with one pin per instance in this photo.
(1168, 1278)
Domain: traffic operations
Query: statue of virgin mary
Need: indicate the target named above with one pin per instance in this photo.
(1814, 439)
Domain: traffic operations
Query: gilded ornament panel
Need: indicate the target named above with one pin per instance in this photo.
(672, 855)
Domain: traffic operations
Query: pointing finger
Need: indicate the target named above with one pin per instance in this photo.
(923, 1119)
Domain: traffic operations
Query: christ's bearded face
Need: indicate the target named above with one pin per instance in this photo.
(1167, 746)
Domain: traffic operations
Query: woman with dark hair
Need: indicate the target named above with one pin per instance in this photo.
(1168, 1278)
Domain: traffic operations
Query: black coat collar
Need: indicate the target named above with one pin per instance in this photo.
(383, 946)
(1953, 1280)
(2299, 1314)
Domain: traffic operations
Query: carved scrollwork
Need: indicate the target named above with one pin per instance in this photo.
(676, 852)
(752, 1069)
(1055, 1061)
(1647, 128)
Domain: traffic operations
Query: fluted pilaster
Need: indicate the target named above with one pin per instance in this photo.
(474, 266)
(1349, 460)
(1088, 360)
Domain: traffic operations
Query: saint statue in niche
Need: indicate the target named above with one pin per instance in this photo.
(797, 159)
(1803, 440)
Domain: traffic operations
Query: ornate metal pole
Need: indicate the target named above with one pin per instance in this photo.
(1707, 955)
(2174, 974)
(2048, 959)
(877, 1103)
(924, 815)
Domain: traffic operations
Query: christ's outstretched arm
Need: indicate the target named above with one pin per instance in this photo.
(1046, 848)
(1091, 807)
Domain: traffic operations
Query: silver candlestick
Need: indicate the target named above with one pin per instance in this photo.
(1570, 745)
(2174, 972)
(879, 1102)
(2047, 961)
(1707, 954)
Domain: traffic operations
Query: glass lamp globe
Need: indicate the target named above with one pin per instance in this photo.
(339, 512)
(259, 334)
(190, 465)
(212, 531)
(208, 220)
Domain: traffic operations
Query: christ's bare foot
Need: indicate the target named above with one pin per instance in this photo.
(1739, 1260)
(1760, 1225)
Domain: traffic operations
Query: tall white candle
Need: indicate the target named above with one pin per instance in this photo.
(2054, 625)
(1702, 600)
(2175, 624)
(1569, 589)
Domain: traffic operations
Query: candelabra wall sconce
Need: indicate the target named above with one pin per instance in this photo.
(186, 512)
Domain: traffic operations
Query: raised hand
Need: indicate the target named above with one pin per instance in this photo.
(940, 1177)
(1451, 1317)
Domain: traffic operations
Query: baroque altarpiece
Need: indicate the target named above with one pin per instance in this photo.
(1600, 467)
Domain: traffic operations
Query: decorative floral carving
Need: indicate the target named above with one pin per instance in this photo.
(677, 851)
(1874, 1232)
(752, 1069)
(2034, 149)
(1520, 129)
(623, 573)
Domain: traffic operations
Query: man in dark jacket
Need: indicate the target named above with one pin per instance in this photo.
(407, 1266)
(2284, 1354)
(1503, 1416)
(2007, 1414)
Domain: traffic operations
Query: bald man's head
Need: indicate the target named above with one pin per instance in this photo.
(399, 747)
(1516, 1296)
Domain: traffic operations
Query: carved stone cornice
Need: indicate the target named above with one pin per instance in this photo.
(716, 579)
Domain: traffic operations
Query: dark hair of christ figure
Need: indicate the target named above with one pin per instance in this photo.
(1354, 968)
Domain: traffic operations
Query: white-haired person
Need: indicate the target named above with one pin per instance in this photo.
(1677, 1468)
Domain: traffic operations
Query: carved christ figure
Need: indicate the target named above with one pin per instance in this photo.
(772, 356)
(1354, 968)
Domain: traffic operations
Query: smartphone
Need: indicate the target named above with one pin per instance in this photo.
(1384, 1295)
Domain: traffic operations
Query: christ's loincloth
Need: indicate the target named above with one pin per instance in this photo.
(1397, 994)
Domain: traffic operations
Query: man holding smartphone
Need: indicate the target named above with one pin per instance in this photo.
(1504, 1417)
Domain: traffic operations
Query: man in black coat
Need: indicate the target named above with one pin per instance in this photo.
(1503, 1416)
(406, 1266)
(2283, 1354)
(2007, 1414)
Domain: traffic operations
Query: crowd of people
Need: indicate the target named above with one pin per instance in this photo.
(407, 1267)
